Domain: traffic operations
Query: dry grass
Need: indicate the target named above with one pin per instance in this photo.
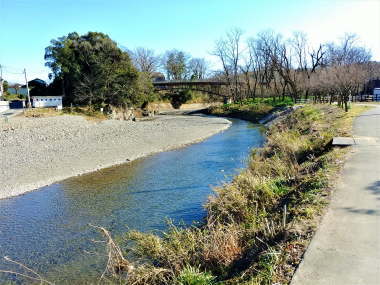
(41, 112)
(26, 272)
(86, 112)
(257, 226)
(116, 263)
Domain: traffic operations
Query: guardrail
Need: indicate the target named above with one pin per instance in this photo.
(366, 98)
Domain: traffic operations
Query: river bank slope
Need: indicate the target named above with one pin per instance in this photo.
(258, 226)
(35, 152)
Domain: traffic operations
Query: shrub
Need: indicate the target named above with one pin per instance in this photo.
(193, 276)
(179, 98)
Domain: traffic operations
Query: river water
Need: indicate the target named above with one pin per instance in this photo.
(49, 231)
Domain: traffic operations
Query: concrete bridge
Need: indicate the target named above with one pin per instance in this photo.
(212, 87)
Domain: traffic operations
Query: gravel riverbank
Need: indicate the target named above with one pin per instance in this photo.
(35, 152)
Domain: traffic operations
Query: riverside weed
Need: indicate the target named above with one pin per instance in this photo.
(257, 226)
(193, 276)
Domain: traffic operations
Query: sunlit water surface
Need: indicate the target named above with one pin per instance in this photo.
(49, 231)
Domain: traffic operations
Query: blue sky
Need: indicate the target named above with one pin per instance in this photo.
(27, 26)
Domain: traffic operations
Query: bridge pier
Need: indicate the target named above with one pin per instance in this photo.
(227, 100)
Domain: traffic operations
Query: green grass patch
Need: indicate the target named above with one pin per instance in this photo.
(250, 109)
(194, 276)
(251, 113)
(287, 101)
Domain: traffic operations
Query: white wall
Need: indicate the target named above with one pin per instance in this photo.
(46, 101)
(4, 105)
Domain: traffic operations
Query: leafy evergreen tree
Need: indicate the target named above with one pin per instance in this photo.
(95, 71)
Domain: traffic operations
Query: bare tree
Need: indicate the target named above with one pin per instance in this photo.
(278, 67)
(348, 66)
(307, 59)
(145, 60)
(347, 51)
(267, 55)
(247, 71)
(228, 50)
(197, 68)
(278, 70)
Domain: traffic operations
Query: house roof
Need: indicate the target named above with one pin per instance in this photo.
(46, 97)
(36, 82)
(15, 85)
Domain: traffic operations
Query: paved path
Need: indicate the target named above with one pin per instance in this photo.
(346, 247)
(11, 113)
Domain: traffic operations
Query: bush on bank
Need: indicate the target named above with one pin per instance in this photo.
(258, 226)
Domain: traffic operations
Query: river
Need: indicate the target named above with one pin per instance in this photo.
(48, 229)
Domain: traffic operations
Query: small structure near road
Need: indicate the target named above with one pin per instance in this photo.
(357, 140)
(343, 141)
(47, 101)
(4, 106)
(370, 92)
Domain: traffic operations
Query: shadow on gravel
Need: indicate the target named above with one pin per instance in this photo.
(375, 188)
(369, 115)
(371, 212)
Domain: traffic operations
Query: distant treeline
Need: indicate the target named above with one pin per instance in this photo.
(269, 65)
(91, 69)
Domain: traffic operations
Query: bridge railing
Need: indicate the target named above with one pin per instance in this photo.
(189, 82)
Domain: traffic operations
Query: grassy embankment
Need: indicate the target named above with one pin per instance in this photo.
(258, 226)
(86, 112)
(250, 110)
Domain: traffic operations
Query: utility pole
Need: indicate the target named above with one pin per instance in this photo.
(27, 89)
(1, 82)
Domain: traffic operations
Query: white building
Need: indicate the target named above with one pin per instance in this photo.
(376, 91)
(4, 106)
(47, 101)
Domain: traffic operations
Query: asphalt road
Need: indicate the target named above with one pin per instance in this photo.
(346, 246)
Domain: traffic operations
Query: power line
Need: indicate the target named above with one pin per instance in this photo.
(13, 70)
(8, 72)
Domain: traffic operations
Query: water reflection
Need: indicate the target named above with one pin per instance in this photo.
(48, 229)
